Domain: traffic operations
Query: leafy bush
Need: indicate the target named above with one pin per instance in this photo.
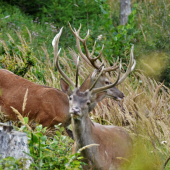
(47, 152)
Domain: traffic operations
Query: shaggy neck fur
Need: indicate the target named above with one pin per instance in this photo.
(82, 131)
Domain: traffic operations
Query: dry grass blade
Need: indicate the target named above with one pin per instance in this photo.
(29, 34)
(87, 146)
(121, 158)
(20, 118)
(25, 101)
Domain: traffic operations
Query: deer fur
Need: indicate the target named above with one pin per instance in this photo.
(115, 145)
(46, 105)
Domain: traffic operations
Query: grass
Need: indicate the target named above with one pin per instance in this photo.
(147, 100)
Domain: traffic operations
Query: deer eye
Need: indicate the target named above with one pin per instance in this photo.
(88, 103)
(70, 98)
(107, 82)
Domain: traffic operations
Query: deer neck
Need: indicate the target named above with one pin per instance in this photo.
(83, 135)
(82, 131)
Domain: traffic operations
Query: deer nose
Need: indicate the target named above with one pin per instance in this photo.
(76, 110)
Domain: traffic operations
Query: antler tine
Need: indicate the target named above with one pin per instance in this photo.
(97, 78)
(55, 43)
(92, 60)
(77, 72)
(56, 56)
(88, 57)
(100, 89)
(112, 68)
(130, 68)
(61, 71)
(76, 33)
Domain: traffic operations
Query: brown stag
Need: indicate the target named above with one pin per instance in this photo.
(103, 80)
(114, 145)
(87, 57)
(46, 105)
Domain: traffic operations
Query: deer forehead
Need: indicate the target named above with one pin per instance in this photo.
(81, 97)
(102, 78)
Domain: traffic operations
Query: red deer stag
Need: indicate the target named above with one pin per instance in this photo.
(47, 106)
(103, 80)
(87, 57)
(114, 143)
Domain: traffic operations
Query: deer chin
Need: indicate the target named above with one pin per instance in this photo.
(112, 97)
(75, 115)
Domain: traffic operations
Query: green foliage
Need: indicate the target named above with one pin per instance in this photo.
(118, 39)
(12, 51)
(11, 163)
(154, 22)
(47, 152)
(51, 153)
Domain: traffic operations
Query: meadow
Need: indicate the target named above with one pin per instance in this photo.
(145, 111)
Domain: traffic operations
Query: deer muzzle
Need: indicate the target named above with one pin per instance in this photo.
(75, 111)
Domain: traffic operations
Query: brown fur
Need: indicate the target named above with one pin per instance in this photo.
(115, 147)
(48, 106)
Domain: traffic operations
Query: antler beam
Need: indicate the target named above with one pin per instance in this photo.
(56, 56)
(119, 80)
(88, 56)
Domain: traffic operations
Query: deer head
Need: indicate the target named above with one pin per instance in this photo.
(92, 61)
(83, 102)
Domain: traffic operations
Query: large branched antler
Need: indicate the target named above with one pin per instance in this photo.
(119, 80)
(88, 56)
(56, 57)
(130, 67)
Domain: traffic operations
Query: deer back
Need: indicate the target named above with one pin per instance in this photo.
(48, 106)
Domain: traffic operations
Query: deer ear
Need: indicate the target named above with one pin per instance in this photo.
(100, 96)
(65, 87)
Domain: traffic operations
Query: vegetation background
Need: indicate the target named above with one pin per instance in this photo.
(26, 32)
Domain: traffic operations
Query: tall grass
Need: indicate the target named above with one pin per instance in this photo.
(144, 112)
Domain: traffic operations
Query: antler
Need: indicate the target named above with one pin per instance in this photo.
(88, 56)
(130, 67)
(100, 89)
(119, 80)
(77, 72)
(56, 56)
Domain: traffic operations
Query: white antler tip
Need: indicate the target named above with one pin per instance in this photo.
(57, 37)
(78, 58)
(134, 64)
(59, 52)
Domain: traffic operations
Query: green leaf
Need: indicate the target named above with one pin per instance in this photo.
(35, 139)
(26, 120)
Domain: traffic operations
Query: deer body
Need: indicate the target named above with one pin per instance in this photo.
(48, 106)
(114, 143)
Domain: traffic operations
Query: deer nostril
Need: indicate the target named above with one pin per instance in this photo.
(76, 109)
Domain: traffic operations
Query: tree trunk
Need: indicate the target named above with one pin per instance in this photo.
(125, 10)
(13, 143)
